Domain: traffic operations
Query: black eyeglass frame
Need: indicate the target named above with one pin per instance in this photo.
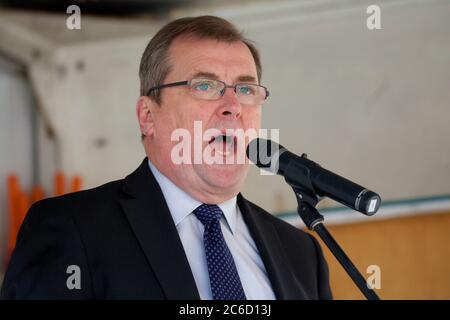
(187, 83)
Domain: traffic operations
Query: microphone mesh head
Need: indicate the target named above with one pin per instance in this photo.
(263, 153)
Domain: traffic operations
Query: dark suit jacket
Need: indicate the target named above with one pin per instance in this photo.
(122, 237)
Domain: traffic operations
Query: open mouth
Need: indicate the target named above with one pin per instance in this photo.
(223, 144)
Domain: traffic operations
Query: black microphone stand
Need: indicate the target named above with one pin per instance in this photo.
(307, 200)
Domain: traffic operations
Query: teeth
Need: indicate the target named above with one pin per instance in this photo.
(224, 138)
(229, 146)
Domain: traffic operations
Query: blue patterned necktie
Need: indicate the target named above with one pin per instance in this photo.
(223, 275)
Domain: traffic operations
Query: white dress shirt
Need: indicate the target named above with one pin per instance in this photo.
(249, 265)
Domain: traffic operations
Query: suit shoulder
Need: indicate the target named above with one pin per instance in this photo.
(61, 205)
(282, 226)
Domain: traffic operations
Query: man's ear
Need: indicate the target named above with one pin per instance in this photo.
(144, 109)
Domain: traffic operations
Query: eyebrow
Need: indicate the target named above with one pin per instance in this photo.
(210, 75)
(245, 78)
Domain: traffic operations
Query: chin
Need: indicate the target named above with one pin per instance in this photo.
(225, 176)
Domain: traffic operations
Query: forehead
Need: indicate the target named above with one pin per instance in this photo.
(229, 61)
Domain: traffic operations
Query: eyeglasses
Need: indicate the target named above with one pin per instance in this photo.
(208, 89)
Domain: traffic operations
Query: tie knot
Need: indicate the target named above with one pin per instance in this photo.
(208, 213)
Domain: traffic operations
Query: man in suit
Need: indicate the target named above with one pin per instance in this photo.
(173, 230)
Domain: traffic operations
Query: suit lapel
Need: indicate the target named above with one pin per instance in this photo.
(284, 283)
(150, 219)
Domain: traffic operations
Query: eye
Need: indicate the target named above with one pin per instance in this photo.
(204, 86)
(246, 90)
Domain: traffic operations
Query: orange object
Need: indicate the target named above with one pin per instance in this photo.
(37, 194)
(59, 184)
(23, 206)
(76, 184)
(13, 209)
(19, 203)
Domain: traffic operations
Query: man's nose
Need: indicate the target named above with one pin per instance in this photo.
(230, 106)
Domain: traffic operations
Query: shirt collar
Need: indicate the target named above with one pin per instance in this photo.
(182, 204)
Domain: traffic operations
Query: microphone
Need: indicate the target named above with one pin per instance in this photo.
(301, 172)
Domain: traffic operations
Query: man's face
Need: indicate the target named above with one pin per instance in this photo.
(231, 63)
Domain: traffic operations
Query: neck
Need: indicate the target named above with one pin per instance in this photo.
(200, 191)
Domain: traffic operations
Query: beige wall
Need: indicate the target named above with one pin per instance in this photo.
(413, 254)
